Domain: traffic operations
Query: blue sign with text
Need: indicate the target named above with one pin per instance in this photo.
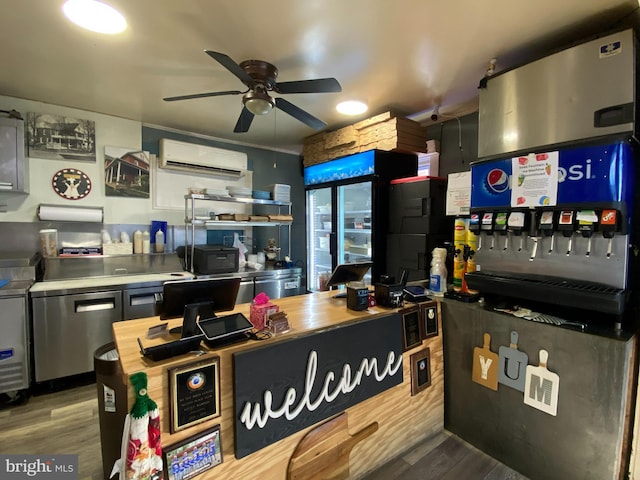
(586, 175)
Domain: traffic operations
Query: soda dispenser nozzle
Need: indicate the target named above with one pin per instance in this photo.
(474, 227)
(534, 234)
(608, 225)
(565, 225)
(516, 225)
(501, 227)
(487, 227)
(586, 220)
(546, 227)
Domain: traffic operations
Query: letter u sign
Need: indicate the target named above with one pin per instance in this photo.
(513, 365)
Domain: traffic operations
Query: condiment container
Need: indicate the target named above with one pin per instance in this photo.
(49, 242)
(137, 242)
(159, 241)
(146, 242)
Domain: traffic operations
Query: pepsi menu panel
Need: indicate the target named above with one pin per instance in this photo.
(587, 175)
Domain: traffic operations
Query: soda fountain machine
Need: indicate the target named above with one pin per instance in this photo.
(554, 229)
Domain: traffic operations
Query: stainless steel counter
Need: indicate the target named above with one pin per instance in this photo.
(78, 299)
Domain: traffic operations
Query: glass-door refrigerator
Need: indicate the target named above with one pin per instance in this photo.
(348, 212)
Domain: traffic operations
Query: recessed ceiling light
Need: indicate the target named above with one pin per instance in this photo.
(352, 107)
(95, 16)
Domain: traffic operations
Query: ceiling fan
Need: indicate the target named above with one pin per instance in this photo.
(260, 78)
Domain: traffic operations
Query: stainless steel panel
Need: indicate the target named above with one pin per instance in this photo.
(140, 302)
(64, 337)
(577, 266)
(279, 288)
(14, 344)
(64, 268)
(553, 100)
(245, 292)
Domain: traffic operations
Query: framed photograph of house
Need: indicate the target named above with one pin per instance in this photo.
(126, 172)
(57, 137)
(420, 371)
(191, 457)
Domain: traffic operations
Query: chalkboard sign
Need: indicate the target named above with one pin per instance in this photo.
(284, 387)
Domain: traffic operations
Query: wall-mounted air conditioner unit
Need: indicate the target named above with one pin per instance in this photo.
(189, 157)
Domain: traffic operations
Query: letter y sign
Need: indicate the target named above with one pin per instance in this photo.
(485, 365)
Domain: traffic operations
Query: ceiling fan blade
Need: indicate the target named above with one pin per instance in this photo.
(299, 114)
(202, 95)
(244, 121)
(319, 85)
(228, 63)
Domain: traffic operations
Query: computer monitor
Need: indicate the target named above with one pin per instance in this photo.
(348, 272)
(191, 299)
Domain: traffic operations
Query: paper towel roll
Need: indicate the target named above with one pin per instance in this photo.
(70, 214)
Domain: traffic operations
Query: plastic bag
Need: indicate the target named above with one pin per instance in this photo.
(242, 250)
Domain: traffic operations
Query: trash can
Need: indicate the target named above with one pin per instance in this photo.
(112, 403)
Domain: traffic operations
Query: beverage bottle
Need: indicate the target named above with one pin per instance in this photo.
(438, 273)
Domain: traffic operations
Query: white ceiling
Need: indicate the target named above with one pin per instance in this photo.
(406, 55)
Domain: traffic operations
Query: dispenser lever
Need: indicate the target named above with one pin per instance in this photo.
(534, 249)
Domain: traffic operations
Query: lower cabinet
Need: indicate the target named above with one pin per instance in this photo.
(67, 330)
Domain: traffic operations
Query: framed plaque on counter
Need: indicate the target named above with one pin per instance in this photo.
(411, 331)
(194, 393)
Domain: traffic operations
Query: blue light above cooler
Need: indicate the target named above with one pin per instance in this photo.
(586, 175)
(357, 165)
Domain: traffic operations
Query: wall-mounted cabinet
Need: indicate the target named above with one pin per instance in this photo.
(14, 173)
(272, 214)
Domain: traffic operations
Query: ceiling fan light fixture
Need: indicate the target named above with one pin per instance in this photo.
(258, 102)
(352, 107)
(95, 16)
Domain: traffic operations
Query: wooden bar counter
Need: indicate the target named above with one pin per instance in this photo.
(384, 425)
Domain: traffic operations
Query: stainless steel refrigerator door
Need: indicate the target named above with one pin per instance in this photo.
(320, 233)
(558, 98)
(68, 329)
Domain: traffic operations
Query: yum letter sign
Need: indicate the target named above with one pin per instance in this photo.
(284, 387)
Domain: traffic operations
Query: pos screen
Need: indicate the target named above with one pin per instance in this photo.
(219, 293)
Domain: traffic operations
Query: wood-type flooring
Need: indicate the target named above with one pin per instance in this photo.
(67, 422)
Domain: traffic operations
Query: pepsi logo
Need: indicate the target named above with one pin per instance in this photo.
(497, 181)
